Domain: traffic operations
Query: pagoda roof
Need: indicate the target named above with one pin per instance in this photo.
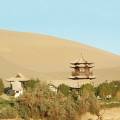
(82, 77)
(80, 61)
(81, 66)
(18, 77)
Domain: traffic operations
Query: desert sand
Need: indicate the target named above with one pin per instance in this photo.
(48, 58)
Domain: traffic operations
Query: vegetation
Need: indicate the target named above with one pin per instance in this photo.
(108, 89)
(39, 102)
(88, 101)
(104, 90)
(87, 89)
(1, 87)
(3, 103)
(8, 113)
(31, 84)
(7, 110)
(64, 89)
(45, 104)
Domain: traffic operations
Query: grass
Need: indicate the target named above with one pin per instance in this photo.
(7, 109)
(3, 103)
(110, 103)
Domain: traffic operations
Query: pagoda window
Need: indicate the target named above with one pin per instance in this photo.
(82, 70)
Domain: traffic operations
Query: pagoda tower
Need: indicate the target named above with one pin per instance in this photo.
(82, 69)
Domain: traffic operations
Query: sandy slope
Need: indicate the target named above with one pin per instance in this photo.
(49, 57)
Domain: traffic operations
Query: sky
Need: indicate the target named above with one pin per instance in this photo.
(93, 22)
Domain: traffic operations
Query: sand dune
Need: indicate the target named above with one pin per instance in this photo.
(48, 57)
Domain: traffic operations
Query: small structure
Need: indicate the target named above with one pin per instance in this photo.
(17, 88)
(82, 69)
(16, 84)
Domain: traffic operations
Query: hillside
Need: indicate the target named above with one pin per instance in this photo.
(48, 57)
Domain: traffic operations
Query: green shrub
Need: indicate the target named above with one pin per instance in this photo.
(31, 84)
(8, 113)
(88, 103)
(45, 104)
(94, 106)
(104, 89)
(115, 86)
(64, 89)
(1, 87)
(75, 94)
(86, 90)
(3, 103)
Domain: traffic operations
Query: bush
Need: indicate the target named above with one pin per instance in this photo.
(44, 104)
(115, 86)
(8, 113)
(3, 103)
(89, 103)
(64, 89)
(87, 90)
(31, 84)
(104, 90)
(1, 87)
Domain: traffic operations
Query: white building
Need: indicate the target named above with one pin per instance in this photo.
(16, 84)
(17, 87)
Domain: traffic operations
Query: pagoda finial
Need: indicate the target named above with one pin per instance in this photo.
(82, 58)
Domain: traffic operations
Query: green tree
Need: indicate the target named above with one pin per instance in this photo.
(115, 87)
(104, 89)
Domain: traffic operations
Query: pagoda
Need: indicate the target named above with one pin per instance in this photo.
(82, 69)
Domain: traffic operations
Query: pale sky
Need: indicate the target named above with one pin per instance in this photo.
(95, 22)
